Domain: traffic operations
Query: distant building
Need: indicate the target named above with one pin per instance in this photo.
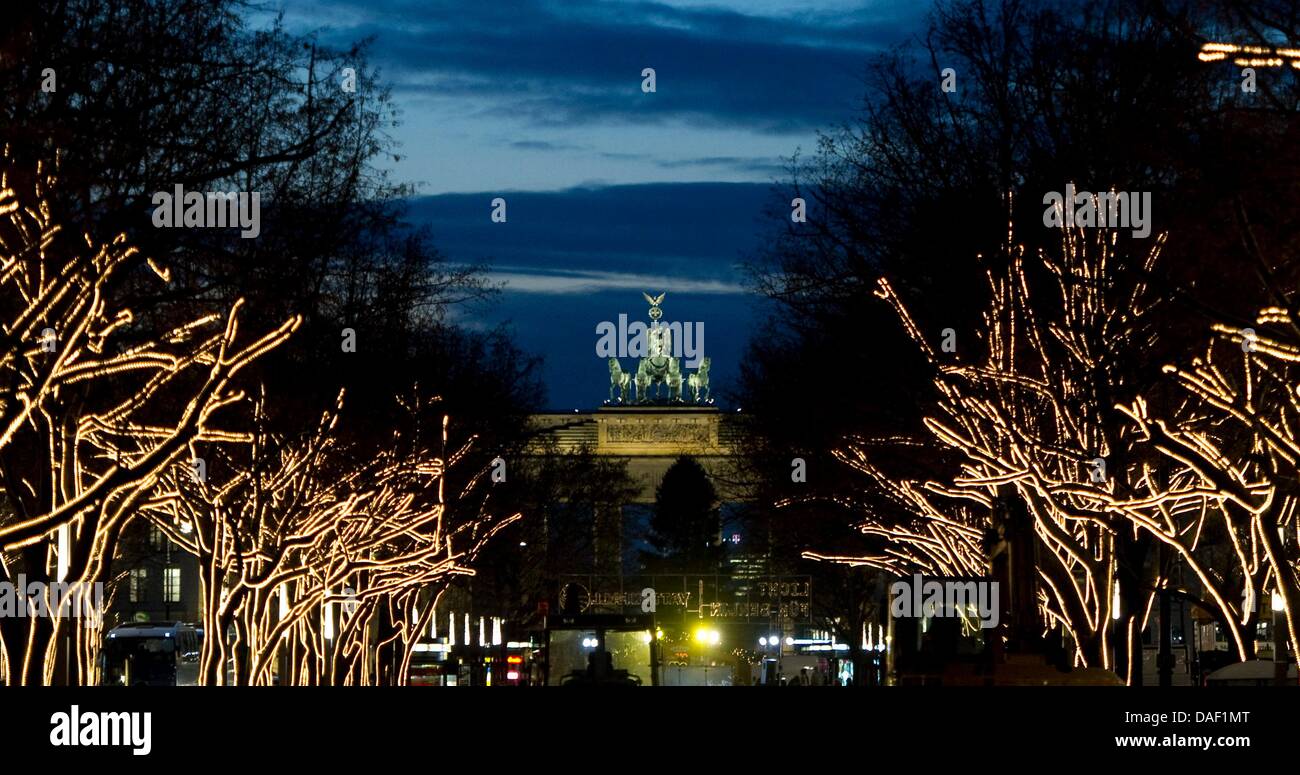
(160, 581)
(657, 411)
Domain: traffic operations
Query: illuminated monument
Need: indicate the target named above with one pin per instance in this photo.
(658, 368)
(652, 416)
(655, 414)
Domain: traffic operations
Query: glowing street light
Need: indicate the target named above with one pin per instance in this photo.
(707, 636)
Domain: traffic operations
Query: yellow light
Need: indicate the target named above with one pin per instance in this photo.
(1266, 56)
(708, 636)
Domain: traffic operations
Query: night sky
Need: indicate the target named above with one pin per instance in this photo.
(610, 191)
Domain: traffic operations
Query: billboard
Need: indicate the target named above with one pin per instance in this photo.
(757, 599)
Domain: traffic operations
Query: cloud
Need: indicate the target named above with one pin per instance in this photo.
(692, 230)
(773, 168)
(762, 166)
(527, 280)
(542, 145)
(580, 61)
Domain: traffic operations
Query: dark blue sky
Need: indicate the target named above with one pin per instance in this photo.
(572, 259)
(610, 191)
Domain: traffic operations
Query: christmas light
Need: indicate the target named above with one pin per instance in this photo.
(1027, 411)
(1263, 56)
(156, 398)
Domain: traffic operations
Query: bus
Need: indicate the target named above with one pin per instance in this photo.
(604, 649)
(150, 654)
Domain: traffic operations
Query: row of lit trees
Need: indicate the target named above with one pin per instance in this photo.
(314, 553)
(112, 383)
(316, 556)
(93, 414)
(1023, 402)
(1052, 410)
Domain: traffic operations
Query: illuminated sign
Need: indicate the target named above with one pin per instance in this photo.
(725, 598)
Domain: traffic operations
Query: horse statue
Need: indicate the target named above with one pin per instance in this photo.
(659, 367)
(618, 379)
(649, 374)
(699, 381)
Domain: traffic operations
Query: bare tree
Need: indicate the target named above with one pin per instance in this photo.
(91, 411)
(319, 555)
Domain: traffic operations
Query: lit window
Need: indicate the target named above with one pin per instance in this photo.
(172, 585)
(139, 585)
